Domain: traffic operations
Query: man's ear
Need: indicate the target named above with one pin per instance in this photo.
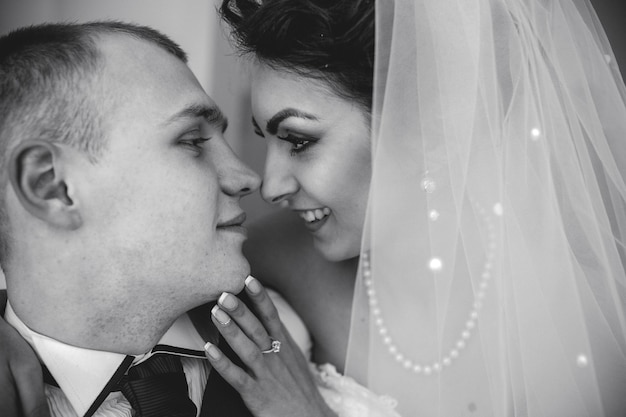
(37, 176)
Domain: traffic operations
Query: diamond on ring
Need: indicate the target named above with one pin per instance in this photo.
(275, 347)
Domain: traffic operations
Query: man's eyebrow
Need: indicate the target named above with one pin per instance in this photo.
(212, 114)
(272, 124)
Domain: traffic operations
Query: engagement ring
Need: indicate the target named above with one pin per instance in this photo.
(275, 347)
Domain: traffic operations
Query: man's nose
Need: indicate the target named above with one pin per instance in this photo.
(237, 178)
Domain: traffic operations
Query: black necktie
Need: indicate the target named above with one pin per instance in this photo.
(158, 388)
(220, 399)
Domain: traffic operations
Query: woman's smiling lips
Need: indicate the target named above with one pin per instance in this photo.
(314, 219)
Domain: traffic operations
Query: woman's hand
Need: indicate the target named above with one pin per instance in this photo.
(21, 380)
(276, 383)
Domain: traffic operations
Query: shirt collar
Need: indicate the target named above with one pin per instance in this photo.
(83, 374)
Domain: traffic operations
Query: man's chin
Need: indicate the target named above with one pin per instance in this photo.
(237, 283)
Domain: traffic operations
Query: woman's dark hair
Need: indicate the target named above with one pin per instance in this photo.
(331, 40)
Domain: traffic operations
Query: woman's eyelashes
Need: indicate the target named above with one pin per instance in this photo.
(298, 143)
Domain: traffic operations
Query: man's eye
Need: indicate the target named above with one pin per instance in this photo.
(195, 144)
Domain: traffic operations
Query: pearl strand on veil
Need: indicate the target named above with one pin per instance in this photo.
(472, 319)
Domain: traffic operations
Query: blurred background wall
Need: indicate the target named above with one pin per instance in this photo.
(195, 26)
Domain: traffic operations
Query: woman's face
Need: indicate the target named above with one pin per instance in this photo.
(318, 157)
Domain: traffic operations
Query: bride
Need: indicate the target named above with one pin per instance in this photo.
(490, 278)
(457, 241)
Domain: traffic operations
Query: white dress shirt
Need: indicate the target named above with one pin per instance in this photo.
(82, 375)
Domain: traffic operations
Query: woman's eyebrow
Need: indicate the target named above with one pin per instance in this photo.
(272, 124)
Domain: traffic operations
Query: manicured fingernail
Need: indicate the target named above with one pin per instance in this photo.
(212, 351)
(228, 301)
(220, 315)
(253, 284)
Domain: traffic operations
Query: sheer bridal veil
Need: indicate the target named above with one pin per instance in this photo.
(492, 281)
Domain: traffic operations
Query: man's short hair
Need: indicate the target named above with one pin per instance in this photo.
(48, 86)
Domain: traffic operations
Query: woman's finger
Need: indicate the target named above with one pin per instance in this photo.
(247, 350)
(231, 373)
(264, 306)
(246, 320)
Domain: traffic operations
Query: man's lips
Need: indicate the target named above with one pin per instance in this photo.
(235, 221)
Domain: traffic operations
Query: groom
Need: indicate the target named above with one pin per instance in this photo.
(119, 212)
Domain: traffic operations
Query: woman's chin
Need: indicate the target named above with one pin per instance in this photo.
(336, 251)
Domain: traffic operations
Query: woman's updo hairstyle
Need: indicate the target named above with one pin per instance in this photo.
(330, 40)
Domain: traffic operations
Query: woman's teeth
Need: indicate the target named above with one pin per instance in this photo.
(310, 216)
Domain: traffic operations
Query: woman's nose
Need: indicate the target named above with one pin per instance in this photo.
(279, 183)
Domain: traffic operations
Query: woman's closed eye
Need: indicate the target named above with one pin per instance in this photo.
(298, 143)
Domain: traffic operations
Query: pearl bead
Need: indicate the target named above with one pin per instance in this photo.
(429, 185)
(535, 133)
(435, 264)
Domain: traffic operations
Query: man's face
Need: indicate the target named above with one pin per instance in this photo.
(161, 206)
